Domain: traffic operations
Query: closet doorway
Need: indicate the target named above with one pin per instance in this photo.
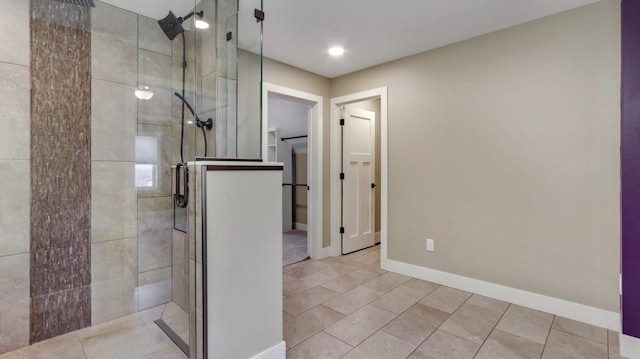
(290, 130)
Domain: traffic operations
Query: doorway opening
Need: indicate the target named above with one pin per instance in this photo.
(358, 189)
(292, 134)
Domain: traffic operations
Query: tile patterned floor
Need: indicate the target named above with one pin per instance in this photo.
(135, 336)
(347, 307)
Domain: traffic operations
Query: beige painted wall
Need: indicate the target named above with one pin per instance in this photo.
(505, 150)
(281, 74)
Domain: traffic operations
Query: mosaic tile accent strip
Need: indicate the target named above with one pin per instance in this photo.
(60, 168)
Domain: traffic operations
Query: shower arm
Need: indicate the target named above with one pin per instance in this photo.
(208, 124)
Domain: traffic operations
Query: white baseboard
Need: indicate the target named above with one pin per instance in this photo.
(278, 351)
(300, 226)
(378, 236)
(629, 347)
(564, 308)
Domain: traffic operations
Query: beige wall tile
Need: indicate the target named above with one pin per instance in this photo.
(154, 233)
(154, 288)
(154, 70)
(114, 49)
(112, 299)
(14, 302)
(15, 117)
(151, 37)
(15, 207)
(15, 43)
(113, 201)
(113, 121)
(114, 260)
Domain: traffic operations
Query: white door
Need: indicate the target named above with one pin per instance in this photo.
(358, 161)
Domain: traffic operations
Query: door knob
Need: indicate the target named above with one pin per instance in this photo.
(373, 185)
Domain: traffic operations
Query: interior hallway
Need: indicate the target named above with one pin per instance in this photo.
(347, 307)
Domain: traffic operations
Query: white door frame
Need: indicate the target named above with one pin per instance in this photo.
(334, 132)
(314, 169)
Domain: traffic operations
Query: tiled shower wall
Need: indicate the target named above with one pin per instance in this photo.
(133, 219)
(130, 227)
(14, 175)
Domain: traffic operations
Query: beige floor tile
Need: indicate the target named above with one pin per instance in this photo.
(307, 300)
(319, 346)
(489, 303)
(358, 326)
(423, 285)
(299, 285)
(446, 299)
(63, 347)
(353, 300)
(368, 258)
(309, 323)
(416, 324)
(387, 282)
(580, 329)
(614, 345)
(286, 316)
(471, 322)
(346, 282)
(526, 323)
(442, 345)
(304, 268)
(145, 341)
(375, 267)
(287, 278)
(561, 345)
(381, 346)
(399, 299)
(341, 268)
(508, 346)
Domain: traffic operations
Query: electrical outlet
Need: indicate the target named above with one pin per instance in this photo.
(431, 245)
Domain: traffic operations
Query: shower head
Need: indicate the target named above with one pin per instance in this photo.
(171, 25)
(88, 3)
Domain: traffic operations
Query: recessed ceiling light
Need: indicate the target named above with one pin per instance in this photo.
(336, 51)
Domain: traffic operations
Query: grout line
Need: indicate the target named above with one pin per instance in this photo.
(492, 330)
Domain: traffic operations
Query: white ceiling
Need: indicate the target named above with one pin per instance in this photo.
(299, 32)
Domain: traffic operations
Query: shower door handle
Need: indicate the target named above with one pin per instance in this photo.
(182, 198)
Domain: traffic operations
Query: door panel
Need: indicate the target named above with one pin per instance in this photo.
(359, 169)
